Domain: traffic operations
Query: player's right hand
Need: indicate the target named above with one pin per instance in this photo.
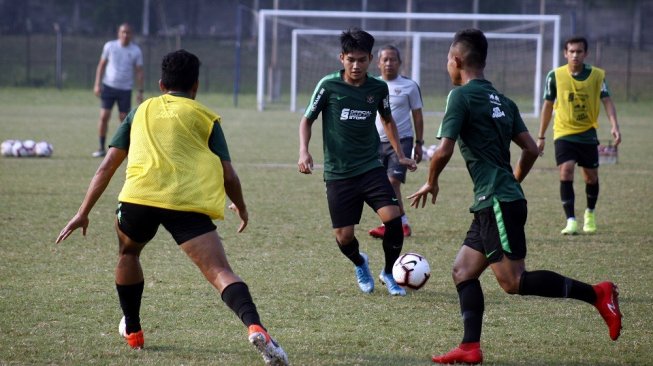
(408, 163)
(540, 146)
(422, 195)
(305, 163)
(75, 223)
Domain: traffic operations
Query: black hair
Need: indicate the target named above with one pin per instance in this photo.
(474, 44)
(180, 70)
(576, 39)
(356, 39)
(390, 48)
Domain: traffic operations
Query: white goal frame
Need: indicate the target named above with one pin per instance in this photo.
(416, 56)
(265, 14)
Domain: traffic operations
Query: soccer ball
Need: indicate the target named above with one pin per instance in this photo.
(43, 149)
(411, 271)
(6, 147)
(18, 150)
(428, 153)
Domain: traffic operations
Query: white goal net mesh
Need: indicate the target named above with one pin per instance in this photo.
(297, 48)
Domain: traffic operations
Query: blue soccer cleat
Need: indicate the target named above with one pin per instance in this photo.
(393, 288)
(364, 276)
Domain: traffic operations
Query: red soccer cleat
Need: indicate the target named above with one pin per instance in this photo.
(607, 303)
(406, 229)
(135, 340)
(468, 353)
(378, 232)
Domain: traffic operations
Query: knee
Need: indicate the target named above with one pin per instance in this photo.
(459, 274)
(344, 237)
(509, 284)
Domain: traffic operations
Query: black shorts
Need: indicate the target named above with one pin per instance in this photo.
(586, 155)
(110, 95)
(499, 230)
(140, 222)
(390, 160)
(346, 196)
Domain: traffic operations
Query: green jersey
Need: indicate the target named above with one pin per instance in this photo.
(483, 122)
(350, 139)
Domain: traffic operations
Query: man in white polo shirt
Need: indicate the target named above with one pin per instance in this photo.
(121, 60)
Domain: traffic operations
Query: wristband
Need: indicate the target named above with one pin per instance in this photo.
(419, 142)
(541, 138)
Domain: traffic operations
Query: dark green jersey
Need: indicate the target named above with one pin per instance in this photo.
(349, 134)
(483, 122)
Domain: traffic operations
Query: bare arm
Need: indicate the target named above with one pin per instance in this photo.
(305, 163)
(97, 186)
(99, 71)
(418, 122)
(391, 131)
(529, 153)
(439, 160)
(545, 120)
(234, 191)
(611, 111)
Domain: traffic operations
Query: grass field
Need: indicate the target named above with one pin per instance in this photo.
(59, 306)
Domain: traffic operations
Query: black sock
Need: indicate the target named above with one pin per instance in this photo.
(567, 196)
(472, 306)
(393, 241)
(239, 300)
(551, 284)
(102, 142)
(130, 303)
(592, 192)
(351, 251)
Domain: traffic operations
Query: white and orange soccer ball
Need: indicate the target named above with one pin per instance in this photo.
(411, 271)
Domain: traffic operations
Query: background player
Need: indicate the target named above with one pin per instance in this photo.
(405, 101)
(576, 89)
(485, 122)
(178, 173)
(349, 100)
(121, 59)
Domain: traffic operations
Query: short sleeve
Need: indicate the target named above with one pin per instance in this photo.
(317, 102)
(550, 86)
(218, 143)
(121, 139)
(456, 113)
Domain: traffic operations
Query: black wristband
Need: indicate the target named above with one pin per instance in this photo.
(419, 142)
(541, 138)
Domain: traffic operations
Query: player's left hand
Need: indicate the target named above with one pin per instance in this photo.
(422, 195)
(243, 214)
(409, 163)
(418, 153)
(75, 223)
(616, 135)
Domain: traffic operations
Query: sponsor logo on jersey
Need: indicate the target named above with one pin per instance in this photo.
(353, 114)
(370, 99)
(497, 112)
(494, 99)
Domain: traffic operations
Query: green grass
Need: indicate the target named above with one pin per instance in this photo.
(59, 306)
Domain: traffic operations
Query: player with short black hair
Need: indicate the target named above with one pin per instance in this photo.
(573, 91)
(178, 175)
(484, 122)
(348, 100)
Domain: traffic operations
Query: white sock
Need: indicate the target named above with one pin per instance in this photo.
(404, 219)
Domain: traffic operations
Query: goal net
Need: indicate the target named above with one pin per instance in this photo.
(297, 48)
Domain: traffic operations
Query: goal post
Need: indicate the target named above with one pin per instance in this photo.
(426, 37)
(416, 39)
